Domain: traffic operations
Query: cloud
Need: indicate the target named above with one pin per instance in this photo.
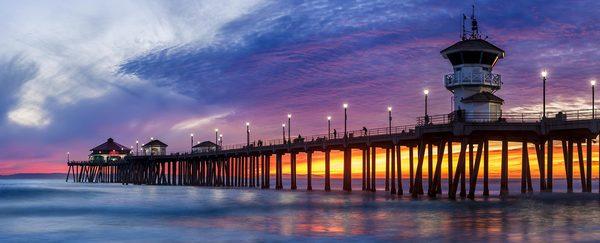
(78, 51)
(197, 122)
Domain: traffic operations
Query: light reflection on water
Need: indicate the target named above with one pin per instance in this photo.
(53, 210)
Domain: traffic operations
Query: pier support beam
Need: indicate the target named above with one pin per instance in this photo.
(540, 151)
(504, 168)
(399, 168)
(368, 168)
(429, 167)
(327, 170)
(278, 172)
(364, 169)
(393, 171)
(411, 169)
(459, 169)
(309, 170)
(387, 169)
(473, 177)
(418, 186)
(433, 190)
(589, 164)
(581, 167)
(486, 159)
(373, 174)
(524, 166)
(347, 169)
(293, 170)
(549, 166)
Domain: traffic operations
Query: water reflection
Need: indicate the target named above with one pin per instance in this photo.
(157, 213)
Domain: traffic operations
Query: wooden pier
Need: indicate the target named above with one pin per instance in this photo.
(249, 165)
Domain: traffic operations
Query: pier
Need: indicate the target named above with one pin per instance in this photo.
(476, 120)
(249, 165)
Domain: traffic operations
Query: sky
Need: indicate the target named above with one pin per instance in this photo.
(74, 73)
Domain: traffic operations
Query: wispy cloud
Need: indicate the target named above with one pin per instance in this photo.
(197, 122)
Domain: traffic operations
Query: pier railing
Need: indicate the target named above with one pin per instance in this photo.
(257, 143)
(513, 117)
(477, 117)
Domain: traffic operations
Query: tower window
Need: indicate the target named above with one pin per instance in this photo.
(471, 56)
(455, 58)
(489, 58)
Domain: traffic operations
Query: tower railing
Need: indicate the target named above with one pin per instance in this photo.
(490, 79)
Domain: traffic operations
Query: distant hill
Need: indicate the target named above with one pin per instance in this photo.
(35, 176)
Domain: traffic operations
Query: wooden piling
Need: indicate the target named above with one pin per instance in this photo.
(399, 168)
(393, 171)
(387, 169)
(327, 170)
(504, 172)
(373, 170)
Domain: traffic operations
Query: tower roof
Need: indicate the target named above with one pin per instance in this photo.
(473, 45)
(483, 97)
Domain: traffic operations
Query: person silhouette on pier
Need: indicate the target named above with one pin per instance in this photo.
(365, 131)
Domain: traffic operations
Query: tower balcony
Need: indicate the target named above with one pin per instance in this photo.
(458, 79)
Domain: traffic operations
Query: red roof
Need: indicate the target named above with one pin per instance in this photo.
(109, 146)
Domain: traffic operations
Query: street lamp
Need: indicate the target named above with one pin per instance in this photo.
(593, 83)
(328, 127)
(390, 119)
(283, 131)
(289, 128)
(216, 136)
(345, 119)
(247, 133)
(221, 139)
(426, 92)
(68, 156)
(544, 75)
(191, 142)
(137, 147)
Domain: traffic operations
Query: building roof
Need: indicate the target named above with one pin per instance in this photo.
(483, 97)
(473, 45)
(205, 144)
(110, 145)
(155, 143)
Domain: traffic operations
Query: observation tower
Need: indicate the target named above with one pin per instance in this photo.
(473, 84)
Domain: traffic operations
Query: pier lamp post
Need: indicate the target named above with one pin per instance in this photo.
(68, 157)
(593, 83)
(328, 127)
(221, 139)
(248, 134)
(191, 142)
(345, 119)
(137, 147)
(426, 92)
(544, 75)
(390, 119)
(216, 136)
(283, 131)
(289, 128)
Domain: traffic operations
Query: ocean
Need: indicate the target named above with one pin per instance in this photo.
(52, 210)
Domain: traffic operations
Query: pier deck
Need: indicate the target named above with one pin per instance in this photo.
(249, 165)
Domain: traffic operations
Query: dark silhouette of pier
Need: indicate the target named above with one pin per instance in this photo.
(249, 165)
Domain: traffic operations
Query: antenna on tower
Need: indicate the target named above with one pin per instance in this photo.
(474, 28)
(464, 31)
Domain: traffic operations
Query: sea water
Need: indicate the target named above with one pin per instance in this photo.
(53, 210)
